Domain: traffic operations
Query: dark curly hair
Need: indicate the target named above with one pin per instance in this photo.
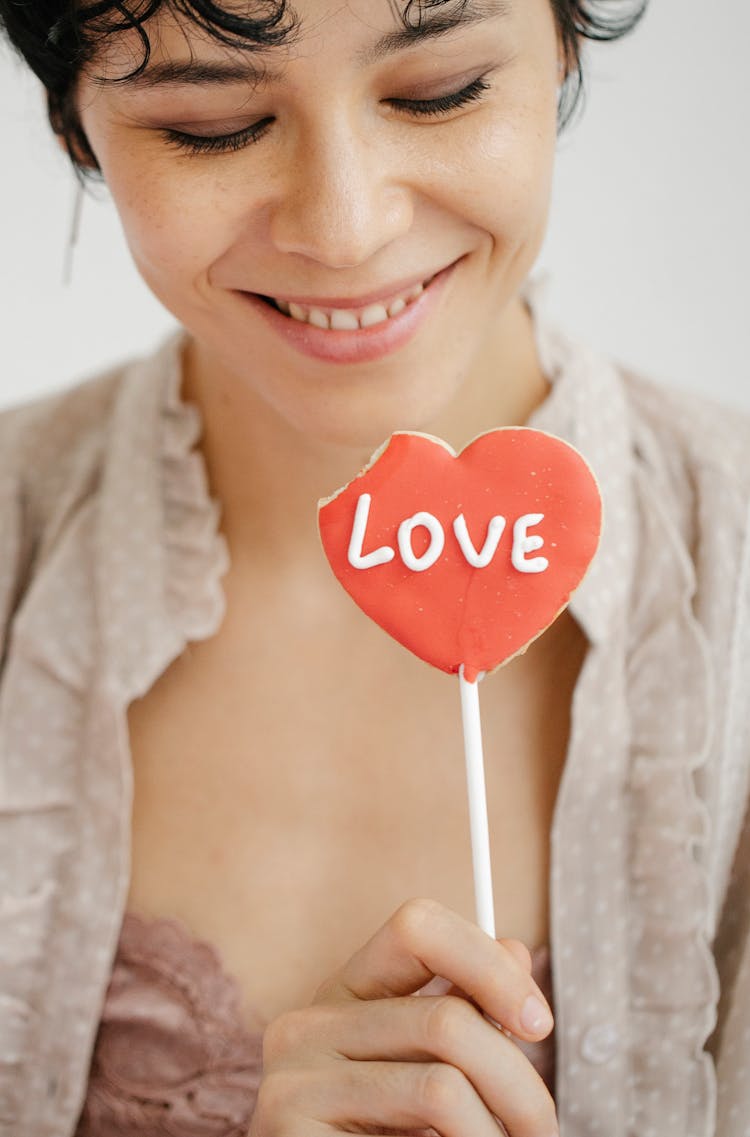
(58, 38)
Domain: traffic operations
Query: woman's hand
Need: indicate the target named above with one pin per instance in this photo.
(367, 1053)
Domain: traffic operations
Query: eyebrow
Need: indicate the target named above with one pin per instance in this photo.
(431, 24)
(194, 72)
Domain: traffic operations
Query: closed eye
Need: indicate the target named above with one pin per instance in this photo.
(471, 93)
(216, 143)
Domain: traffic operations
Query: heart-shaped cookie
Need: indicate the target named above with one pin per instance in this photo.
(465, 559)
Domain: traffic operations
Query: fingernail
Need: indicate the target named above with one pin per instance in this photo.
(535, 1017)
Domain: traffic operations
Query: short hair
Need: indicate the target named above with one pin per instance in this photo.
(58, 38)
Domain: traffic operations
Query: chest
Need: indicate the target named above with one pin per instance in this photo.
(283, 813)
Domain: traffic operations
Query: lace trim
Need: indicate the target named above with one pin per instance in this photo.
(172, 1055)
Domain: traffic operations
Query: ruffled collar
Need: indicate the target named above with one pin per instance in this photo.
(156, 474)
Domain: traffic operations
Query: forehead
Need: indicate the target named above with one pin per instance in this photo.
(373, 28)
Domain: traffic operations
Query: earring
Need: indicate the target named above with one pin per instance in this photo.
(75, 227)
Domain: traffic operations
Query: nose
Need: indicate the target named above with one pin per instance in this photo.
(343, 199)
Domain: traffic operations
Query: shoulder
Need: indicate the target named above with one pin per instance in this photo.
(50, 455)
(687, 442)
(54, 455)
(47, 442)
(691, 473)
(53, 449)
(690, 469)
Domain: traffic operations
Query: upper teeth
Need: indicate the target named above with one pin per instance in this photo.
(349, 319)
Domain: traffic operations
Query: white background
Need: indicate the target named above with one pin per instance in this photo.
(648, 249)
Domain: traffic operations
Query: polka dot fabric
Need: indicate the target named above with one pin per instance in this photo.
(111, 562)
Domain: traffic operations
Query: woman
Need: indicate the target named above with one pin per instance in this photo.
(215, 766)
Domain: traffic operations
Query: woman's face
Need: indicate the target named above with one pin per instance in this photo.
(388, 192)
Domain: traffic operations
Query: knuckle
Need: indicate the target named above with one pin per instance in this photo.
(448, 1020)
(331, 990)
(408, 921)
(441, 1087)
(328, 989)
(282, 1035)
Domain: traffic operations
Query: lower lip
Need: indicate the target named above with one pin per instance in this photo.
(363, 344)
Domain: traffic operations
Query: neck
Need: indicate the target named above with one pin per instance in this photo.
(269, 477)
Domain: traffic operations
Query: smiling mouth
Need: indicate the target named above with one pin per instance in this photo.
(349, 319)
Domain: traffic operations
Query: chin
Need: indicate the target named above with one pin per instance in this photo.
(343, 427)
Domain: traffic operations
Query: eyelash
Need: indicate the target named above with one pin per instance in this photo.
(225, 143)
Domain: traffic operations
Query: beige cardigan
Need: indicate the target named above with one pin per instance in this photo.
(111, 561)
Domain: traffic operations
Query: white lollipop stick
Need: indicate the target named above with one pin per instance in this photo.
(480, 832)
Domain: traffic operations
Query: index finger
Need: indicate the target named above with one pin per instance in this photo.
(424, 938)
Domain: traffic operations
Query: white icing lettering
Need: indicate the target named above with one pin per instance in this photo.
(523, 541)
(355, 557)
(523, 544)
(495, 530)
(433, 550)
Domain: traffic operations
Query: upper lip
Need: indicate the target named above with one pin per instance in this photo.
(387, 292)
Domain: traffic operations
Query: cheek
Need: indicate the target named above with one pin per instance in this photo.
(175, 222)
(169, 225)
(518, 187)
(501, 168)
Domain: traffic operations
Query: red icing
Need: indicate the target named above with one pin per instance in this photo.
(451, 613)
